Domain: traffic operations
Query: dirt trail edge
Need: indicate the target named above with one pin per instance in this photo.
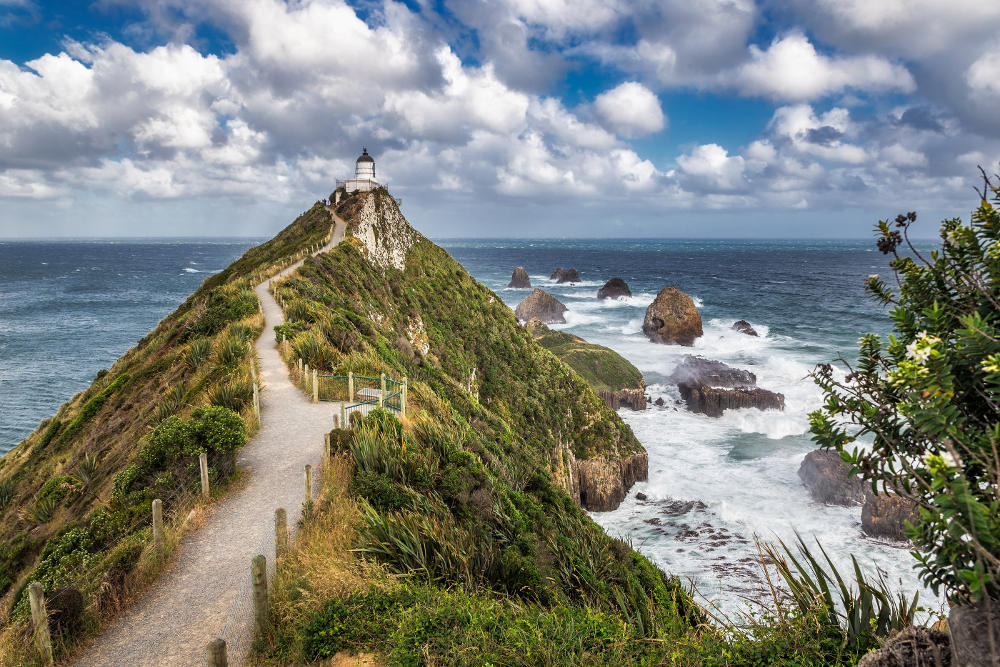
(190, 604)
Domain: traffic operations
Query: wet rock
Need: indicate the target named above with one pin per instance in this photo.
(698, 370)
(659, 402)
(885, 515)
(915, 646)
(569, 276)
(557, 274)
(519, 278)
(713, 401)
(641, 496)
(744, 327)
(634, 399)
(615, 288)
(975, 633)
(65, 608)
(826, 477)
(542, 305)
(672, 318)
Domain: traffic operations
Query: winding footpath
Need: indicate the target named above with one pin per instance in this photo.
(204, 594)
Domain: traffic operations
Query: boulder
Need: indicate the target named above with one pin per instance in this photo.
(885, 514)
(659, 402)
(698, 370)
(713, 401)
(615, 288)
(65, 608)
(975, 633)
(600, 483)
(557, 274)
(519, 278)
(634, 399)
(672, 318)
(915, 646)
(569, 276)
(542, 305)
(744, 327)
(826, 477)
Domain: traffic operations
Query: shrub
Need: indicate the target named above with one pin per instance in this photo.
(316, 352)
(198, 352)
(235, 394)
(172, 403)
(87, 469)
(219, 429)
(210, 429)
(44, 509)
(231, 351)
(7, 492)
(242, 332)
(57, 488)
(929, 397)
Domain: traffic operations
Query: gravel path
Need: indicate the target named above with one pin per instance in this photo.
(204, 594)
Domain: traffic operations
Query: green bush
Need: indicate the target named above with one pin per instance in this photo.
(929, 397)
(7, 491)
(219, 429)
(231, 351)
(198, 352)
(224, 307)
(57, 488)
(210, 429)
(235, 395)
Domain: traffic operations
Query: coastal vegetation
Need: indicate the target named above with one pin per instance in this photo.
(75, 495)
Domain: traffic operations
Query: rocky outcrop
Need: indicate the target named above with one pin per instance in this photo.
(519, 278)
(711, 387)
(885, 515)
(672, 318)
(915, 646)
(542, 305)
(601, 483)
(568, 276)
(713, 401)
(634, 399)
(827, 478)
(383, 230)
(975, 633)
(615, 288)
(744, 327)
(557, 274)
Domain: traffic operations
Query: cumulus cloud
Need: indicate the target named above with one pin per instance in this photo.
(983, 76)
(791, 69)
(630, 110)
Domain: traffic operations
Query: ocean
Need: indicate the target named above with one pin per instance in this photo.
(69, 309)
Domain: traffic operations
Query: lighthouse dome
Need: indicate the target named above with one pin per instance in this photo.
(364, 169)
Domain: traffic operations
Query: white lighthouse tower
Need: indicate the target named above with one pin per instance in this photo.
(364, 175)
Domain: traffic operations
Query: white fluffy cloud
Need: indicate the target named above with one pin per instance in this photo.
(630, 110)
(791, 69)
(983, 76)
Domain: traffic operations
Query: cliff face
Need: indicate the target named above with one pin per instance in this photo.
(600, 483)
(383, 230)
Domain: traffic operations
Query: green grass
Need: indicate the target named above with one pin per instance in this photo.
(601, 367)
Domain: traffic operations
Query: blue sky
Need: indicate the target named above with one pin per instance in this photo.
(549, 118)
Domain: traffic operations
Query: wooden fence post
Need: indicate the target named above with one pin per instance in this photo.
(258, 572)
(315, 387)
(350, 385)
(280, 531)
(203, 463)
(383, 384)
(309, 484)
(215, 654)
(326, 446)
(343, 416)
(402, 403)
(256, 401)
(158, 527)
(40, 618)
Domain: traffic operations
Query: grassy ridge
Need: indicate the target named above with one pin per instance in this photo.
(601, 367)
(75, 494)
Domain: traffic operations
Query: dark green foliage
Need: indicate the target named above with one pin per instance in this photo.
(288, 330)
(50, 432)
(198, 352)
(58, 488)
(14, 555)
(43, 509)
(231, 351)
(223, 308)
(210, 429)
(7, 492)
(930, 396)
(233, 394)
(62, 558)
(601, 367)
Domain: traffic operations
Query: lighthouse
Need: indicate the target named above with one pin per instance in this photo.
(364, 175)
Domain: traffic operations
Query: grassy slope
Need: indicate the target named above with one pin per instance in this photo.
(601, 367)
(74, 495)
(472, 555)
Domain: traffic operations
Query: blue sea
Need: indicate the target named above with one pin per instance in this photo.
(68, 309)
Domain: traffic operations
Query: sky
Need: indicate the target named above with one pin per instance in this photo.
(497, 118)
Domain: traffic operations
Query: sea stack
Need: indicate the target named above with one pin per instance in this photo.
(568, 276)
(744, 328)
(672, 318)
(542, 305)
(615, 288)
(519, 278)
(557, 274)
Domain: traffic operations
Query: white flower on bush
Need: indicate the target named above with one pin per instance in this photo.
(921, 348)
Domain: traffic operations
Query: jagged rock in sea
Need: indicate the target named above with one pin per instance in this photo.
(569, 276)
(885, 515)
(698, 370)
(519, 278)
(542, 305)
(615, 288)
(634, 399)
(744, 327)
(711, 387)
(599, 483)
(826, 477)
(975, 633)
(672, 318)
(915, 646)
(557, 274)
